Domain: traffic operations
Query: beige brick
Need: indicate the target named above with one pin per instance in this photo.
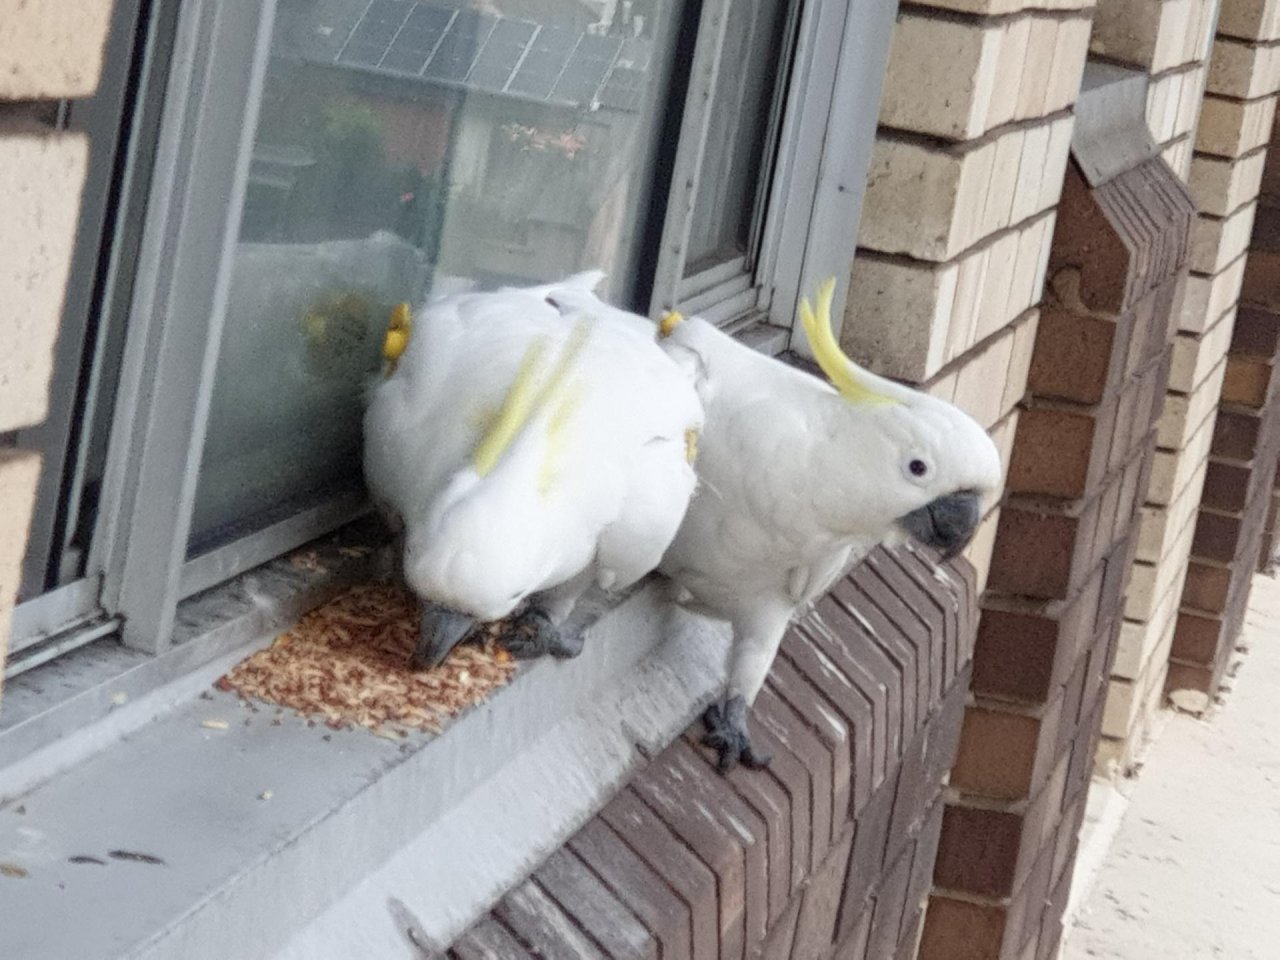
(1015, 385)
(980, 548)
(962, 330)
(1042, 39)
(1244, 71)
(925, 201)
(978, 373)
(995, 308)
(943, 386)
(994, 8)
(1231, 128)
(1003, 433)
(1068, 64)
(1027, 285)
(19, 473)
(1196, 355)
(1183, 412)
(1189, 104)
(1171, 471)
(1216, 242)
(41, 175)
(1160, 524)
(1164, 95)
(1220, 185)
(51, 49)
(1208, 298)
(1178, 156)
(1029, 190)
(1148, 583)
(897, 315)
(941, 76)
(1200, 40)
(1055, 167)
(1013, 57)
(1131, 703)
(1003, 182)
(1150, 34)
(1250, 19)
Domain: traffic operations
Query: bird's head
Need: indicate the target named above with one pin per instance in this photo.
(921, 466)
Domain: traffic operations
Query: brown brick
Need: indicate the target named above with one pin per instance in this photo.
(866, 593)
(537, 920)
(815, 929)
(1196, 638)
(1060, 452)
(488, 940)
(1248, 382)
(830, 729)
(1024, 651)
(870, 669)
(1226, 487)
(961, 930)
(1236, 434)
(584, 898)
(1044, 549)
(840, 694)
(1185, 676)
(867, 858)
(920, 621)
(772, 804)
(930, 608)
(636, 884)
(778, 945)
(1006, 755)
(943, 735)
(891, 909)
(790, 730)
(1218, 537)
(1262, 279)
(1077, 357)
(1256, 333)
(692, 880)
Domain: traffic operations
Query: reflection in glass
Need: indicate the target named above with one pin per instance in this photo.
(406, 149)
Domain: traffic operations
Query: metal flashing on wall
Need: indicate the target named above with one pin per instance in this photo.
(1111, 133)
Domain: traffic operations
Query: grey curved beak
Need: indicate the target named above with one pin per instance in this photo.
(442, 629)
(947, 523)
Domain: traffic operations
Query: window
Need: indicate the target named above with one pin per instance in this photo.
(268, 180)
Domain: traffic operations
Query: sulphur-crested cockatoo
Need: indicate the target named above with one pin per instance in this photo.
(528, 446)
(799, 478)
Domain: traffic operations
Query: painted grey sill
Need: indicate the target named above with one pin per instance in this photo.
(295, 840)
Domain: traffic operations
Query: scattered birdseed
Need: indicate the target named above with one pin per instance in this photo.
(265, 795)
(12, 870)
(215, 724)
(347, 664)
(134, 856)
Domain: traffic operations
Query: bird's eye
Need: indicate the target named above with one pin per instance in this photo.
(918, 468)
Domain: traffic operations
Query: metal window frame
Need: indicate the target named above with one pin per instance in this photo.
(178, 286)
(811, 206)
(177, 308)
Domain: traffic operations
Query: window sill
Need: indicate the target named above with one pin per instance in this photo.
(264, 829)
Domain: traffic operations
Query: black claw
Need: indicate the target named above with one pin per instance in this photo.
(532, 635)
(727, 734)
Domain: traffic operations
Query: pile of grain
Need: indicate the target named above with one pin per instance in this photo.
(348, 664)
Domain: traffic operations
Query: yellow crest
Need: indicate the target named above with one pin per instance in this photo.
(849, 379)
(669, 322)
(396, 340)
(524, 398)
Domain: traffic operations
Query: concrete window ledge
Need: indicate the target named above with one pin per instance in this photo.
(292, 840)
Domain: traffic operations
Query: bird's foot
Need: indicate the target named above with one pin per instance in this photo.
(727, 734)
(532, 634)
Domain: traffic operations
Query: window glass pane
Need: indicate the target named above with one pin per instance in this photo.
(755, 47)
(407, 148)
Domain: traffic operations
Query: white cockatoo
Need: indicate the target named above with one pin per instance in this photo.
(799, 478)
(529, 442)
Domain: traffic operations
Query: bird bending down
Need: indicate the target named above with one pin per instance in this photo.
(528, 445)
(798, 479)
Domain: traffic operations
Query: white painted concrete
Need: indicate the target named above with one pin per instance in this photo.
(1194, 871)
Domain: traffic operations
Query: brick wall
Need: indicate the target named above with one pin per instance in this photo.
(1170, 41)
(828, 852)
(1051, 614)
(49, 51)
(1229, 150)
(975, 127)
(1231, 523)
